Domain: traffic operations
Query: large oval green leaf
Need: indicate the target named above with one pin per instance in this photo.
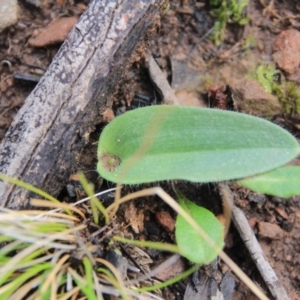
(203, 145)
(282, 182)
(190, 243)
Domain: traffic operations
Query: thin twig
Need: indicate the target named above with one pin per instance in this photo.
(241, 223)
(160, 81)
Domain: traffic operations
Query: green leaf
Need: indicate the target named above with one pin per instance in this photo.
(190, 243)
(201, 145)
(282, 182)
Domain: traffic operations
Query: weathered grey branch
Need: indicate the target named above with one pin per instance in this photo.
(45, 138)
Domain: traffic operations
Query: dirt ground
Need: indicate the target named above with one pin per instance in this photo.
(201, 74)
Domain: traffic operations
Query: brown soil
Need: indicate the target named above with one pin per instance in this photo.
(183, 37)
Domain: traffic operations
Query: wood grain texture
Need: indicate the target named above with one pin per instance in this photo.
(42, 145)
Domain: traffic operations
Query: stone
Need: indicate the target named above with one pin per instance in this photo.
(173, 270)
(286, 51)
(270, 231)
(8, 13)
(54, 33)
(251, 98)
(165, 220)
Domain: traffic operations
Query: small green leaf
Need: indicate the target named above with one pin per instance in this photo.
(282, 182)
(201, 145)
(190, 243)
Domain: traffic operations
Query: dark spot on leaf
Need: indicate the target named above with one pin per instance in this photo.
(110, 161)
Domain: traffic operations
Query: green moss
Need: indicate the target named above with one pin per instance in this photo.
(265, 74)
(227, 12)
(288, 92)
(249, 42)
(291, 98)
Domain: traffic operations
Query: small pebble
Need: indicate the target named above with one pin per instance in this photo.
(286, 50)
(288, 257)
(165, 220)
(269, 230)
(54, 33)
(8, 13)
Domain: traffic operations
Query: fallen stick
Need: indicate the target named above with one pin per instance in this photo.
(241, 223)
(160, 81)
(43, 144)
